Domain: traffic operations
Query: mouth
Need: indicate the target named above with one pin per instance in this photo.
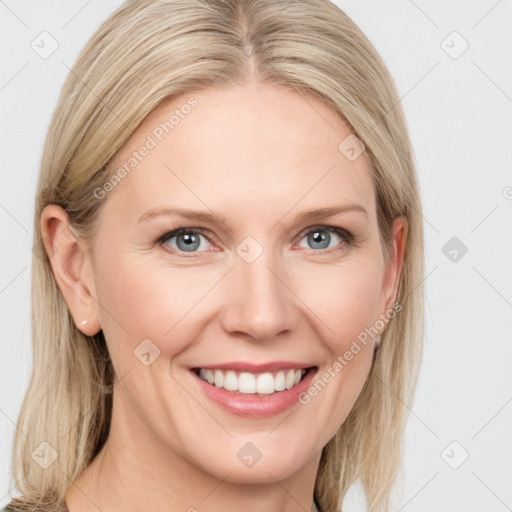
(253, 391)
(253, 383)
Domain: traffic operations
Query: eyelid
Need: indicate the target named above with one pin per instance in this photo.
(347, 236)
(325, 227)
(178, 231)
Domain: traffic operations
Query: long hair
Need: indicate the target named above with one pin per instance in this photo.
(148, 51)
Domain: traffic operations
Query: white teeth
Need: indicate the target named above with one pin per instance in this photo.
(246, 383)
(280, 381)
(231, 381)
(290, 377)
(207, 375)
(249, 383)
(219, 378)
(265, 384)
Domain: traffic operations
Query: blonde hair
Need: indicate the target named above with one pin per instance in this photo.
(148, 51)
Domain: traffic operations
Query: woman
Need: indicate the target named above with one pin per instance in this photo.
(194, 348)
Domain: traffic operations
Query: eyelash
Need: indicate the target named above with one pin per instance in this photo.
(347, 236)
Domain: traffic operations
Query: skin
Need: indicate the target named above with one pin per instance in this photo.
(258, 155)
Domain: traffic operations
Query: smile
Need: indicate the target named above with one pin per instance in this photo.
(254, 390)
(265, 383)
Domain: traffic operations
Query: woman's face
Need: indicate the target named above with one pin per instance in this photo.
(265, 290)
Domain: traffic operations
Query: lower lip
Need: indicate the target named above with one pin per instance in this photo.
(252, 405)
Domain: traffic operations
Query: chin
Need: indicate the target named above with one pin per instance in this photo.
(261, 473)
(258, 461)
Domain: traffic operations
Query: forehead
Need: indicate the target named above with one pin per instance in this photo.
(240, 148)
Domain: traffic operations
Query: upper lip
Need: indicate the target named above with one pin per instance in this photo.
(255, 368)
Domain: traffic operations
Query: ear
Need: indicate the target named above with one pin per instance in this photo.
(72, 269)
(394, 263)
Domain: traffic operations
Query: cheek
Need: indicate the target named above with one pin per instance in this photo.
(345, 298)
(144, 299)
(347, 304)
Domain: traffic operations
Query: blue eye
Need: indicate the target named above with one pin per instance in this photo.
(319, 240)
(188, 240)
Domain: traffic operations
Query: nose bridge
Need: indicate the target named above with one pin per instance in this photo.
(262, 304)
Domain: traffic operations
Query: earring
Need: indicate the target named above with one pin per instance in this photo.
(84, 322)
(377, 342)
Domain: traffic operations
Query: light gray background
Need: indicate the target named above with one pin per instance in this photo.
(459, 112)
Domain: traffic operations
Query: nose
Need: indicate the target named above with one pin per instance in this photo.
(260, 303)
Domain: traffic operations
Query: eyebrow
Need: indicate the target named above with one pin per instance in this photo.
(202, 216)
